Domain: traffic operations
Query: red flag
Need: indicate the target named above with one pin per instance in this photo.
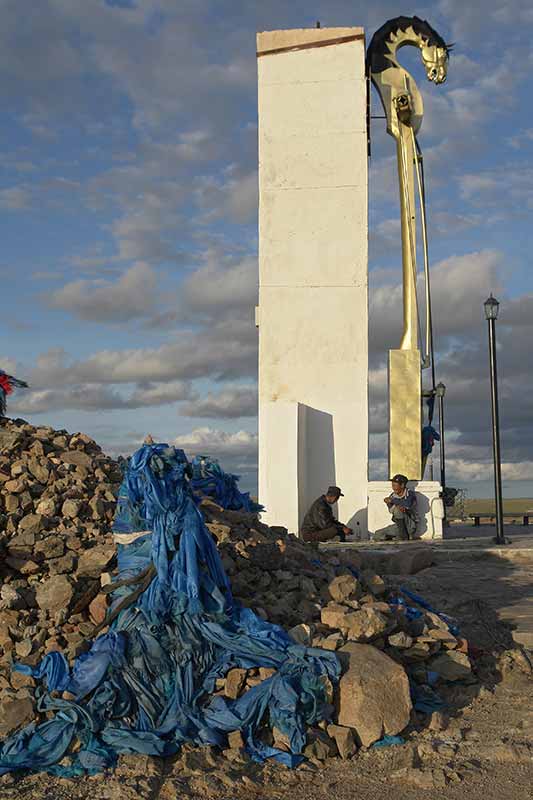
(5, 384)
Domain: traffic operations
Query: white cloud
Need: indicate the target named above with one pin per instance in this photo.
(194, 145)
(218, 289)
(459, 286)
(236, 452)
(95, 397)
(227, 350)
(9, 365)
(474, 19)
(243, 197)
(132, 296)
(508, 188)
(233, 402)
(468, 470)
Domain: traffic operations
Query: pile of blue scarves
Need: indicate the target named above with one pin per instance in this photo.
(147, 685)
(209, 479)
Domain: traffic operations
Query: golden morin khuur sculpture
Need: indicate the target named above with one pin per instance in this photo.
(404, 111)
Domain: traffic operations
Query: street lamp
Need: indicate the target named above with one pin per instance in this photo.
(440, 391)
(491, 313)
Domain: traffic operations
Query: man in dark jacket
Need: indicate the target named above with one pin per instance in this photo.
(319, 524)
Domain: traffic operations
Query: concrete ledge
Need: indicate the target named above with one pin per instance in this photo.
(430, 508)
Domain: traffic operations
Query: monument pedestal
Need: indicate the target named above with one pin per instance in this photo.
(430, 508)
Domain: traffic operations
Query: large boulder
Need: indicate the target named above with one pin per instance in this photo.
(373, 694)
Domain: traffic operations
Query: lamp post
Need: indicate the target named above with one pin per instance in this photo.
(491, 313)
(440, 391)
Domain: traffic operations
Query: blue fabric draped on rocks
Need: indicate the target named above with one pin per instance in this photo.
(147, 684)
(208, 478)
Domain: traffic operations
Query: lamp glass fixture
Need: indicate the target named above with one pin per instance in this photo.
(440, 389)
(491, 308)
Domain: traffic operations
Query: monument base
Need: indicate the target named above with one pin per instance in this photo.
(430, 508)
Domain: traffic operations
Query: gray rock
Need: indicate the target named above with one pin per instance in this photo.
(235, 680)
(302, 634)
(15, 712)
(97, 506)
(38, 471)
(344, 587)
(365, 625)
(451, 665)
(11, 597)
(72, 508)
(344, 739)
(93, 562)
(50, 547)
(76, 457)
(15, 487)
(23, 648)
(63, 564)
(54, 594)
(23, 565)
(333, 615)
(47, 506)
(332, 642)
(401, 640)
(24, 538)
(375, 584)
(320, 746)
(26, 498)
(32, 524)
(11, 503)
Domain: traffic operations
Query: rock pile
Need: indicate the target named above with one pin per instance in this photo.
(336, 601)
(57, 500)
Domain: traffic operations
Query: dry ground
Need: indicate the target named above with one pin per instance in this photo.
(484, 752)
(481, 755)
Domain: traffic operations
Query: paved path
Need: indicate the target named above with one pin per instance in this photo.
(468, 563)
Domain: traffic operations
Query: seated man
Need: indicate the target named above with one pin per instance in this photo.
(402, 505)
(319, 524)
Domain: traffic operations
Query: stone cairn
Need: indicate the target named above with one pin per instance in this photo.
(57, 501)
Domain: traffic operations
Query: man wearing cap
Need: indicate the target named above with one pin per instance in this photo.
(319, 524)
(402, 505)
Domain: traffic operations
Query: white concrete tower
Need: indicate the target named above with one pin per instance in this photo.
(313, 272)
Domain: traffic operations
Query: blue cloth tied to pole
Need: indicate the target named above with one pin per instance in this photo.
(146, 685)
(208, 478)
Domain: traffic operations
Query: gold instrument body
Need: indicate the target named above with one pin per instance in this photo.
(404, 112)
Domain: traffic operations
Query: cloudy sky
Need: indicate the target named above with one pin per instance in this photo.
(128, 221)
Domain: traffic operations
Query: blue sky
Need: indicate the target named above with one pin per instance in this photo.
(128, 220)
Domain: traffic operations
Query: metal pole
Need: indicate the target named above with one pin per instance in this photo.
(442, 455)
(500, 538)
(442, 451)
